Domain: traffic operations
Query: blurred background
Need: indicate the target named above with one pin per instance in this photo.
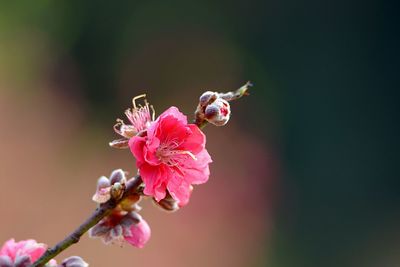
(305, 174)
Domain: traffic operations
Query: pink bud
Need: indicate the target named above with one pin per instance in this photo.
(140, 234)
(218, 112)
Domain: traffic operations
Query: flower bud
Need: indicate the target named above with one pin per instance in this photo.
(117, 190)
(110, 187)
(103, 182)
(102, 194)
(74, 261)
(117, 176)
(218, 112)
(140, 234)
(207, 97)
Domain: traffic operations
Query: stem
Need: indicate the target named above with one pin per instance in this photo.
(102, 211)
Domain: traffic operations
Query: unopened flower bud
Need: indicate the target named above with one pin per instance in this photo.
(140, 234)
(103, 190)
(207, 97)
(103, 182)
(74, 261)
(218, 112)
(110, 187)
(117, 176)
(117, 190)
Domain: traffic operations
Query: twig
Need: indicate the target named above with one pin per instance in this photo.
(102, 211)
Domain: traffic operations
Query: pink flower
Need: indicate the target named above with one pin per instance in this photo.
(171, 157)
(120, 226)
(140, 234)
(21, 253)
(26, 252)
(139, 118)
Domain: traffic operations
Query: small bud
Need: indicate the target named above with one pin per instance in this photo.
(207, 98)
(218, 112)
(103, 182)
(117, 190)
(140, 234)
(102, 194)
(74, 261)
(117, 176)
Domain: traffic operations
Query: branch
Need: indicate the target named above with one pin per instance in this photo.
(102, 211)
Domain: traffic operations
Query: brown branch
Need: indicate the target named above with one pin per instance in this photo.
(102, 211)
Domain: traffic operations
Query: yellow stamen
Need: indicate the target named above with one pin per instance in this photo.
(136, 98)
(153, 113)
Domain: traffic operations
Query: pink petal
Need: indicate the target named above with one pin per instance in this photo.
(150, 152)
(196, 141)
(136, 145)
(151, 176)
(9, 248)
(174, 111)
(180, 190)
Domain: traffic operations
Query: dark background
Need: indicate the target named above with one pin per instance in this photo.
(312, 174)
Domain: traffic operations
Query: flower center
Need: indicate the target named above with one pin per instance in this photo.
(168, 153)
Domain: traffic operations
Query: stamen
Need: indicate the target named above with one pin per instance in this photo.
(137, 97)
(153, 113)
(185, 152)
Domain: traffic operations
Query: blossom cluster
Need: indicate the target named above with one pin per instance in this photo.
(124, 223)
(171, 159)
(170, 156)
